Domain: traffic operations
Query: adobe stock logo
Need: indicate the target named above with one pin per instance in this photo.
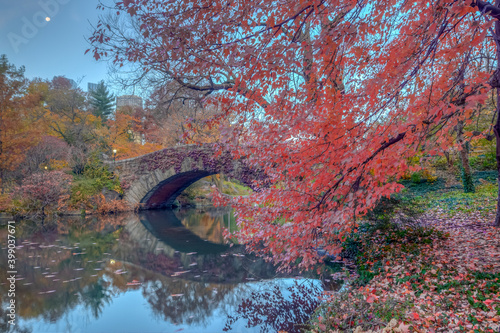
(30, 28)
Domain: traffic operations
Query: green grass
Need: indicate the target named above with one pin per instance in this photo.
(201, 189)
(380, 236)
(453, 202)
(380, 241)
(452, 199)
(231, 188)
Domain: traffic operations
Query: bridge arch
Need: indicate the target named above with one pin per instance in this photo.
(165, 192)
(154, 180)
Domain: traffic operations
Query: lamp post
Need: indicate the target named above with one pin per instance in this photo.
(114, 156)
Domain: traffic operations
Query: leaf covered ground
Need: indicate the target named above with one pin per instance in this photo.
(439, 273)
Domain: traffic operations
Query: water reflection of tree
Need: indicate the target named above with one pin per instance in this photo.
(275, 311)
(55, 287)
(175, 299)
(95, 296)
(89, 279)
(184, 302)
(198, 302)
(4, 321)
(208, 223)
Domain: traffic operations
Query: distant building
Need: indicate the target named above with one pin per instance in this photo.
(73, 83)
(92, 86)
(128, 100)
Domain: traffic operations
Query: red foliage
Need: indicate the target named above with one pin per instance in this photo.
(329, 97)
(43, 192)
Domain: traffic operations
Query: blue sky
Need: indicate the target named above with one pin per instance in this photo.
(55, 47)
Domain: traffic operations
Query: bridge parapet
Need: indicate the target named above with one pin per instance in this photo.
(154, 180)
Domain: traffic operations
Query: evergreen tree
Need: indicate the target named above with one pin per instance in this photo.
(102, 101)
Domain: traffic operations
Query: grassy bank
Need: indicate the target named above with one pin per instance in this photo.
(200, 193)
(426, 261)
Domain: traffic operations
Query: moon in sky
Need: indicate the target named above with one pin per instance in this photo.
(47, 19)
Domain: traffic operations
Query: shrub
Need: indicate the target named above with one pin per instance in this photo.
(111, 207)
(357, 310)
(440, 163)
(101, 175)
(484, 162)
(58, 164)
(416, 178)
(5, 202)
(42, 193)
(88, 186)
(51, 152)
(400, 205)
(421, 176)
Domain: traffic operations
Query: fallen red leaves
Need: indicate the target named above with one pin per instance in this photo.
(452, 284)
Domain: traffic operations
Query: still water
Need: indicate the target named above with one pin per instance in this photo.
(157, 271)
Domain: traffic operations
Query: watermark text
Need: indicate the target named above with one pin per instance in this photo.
(11, 272)
(31, 25)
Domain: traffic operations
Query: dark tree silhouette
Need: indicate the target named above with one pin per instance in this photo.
(274, 311)
(102, 101)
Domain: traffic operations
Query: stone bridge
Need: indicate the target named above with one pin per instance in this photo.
(154, 180)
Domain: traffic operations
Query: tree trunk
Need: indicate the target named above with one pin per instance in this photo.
(464, 160)
(2, 181)
(449, 159)
(496, 128)
(218, 181)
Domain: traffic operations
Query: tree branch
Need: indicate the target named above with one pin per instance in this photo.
(487, 8)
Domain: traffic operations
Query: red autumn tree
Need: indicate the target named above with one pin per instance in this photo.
(330, 98)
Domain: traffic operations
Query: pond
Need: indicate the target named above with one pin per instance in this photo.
(156, 271)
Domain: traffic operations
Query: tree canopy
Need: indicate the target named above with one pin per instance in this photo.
(18, 126)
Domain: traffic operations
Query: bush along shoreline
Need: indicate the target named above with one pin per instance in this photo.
(94, 191)
(424, 262)
(49, 192)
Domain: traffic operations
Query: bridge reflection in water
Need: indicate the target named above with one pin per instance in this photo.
(169, 230)
(149, 272)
